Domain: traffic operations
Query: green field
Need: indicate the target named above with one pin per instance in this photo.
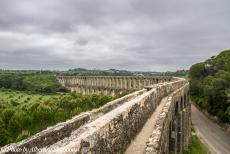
(23, 113)
(15, 98)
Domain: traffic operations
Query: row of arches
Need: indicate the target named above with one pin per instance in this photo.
(96, 90)
(114, 82)
(178, 130)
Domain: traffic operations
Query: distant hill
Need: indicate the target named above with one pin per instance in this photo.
(210, 85)
(78, 70)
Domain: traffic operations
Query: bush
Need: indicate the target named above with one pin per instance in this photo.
(30, 82)
(24, 134)
(4, 136)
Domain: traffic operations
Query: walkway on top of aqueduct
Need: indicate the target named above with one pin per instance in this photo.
(153, 119)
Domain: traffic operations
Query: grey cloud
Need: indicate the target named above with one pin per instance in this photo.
(132, 34)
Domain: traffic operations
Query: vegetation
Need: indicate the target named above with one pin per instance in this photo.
(96, 72)
(179, 73)
(23, 114)
(210, 85)
(37, 83)
(196, 147)
(30, 101)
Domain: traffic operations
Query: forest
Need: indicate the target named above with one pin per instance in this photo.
(32, 82)
(210, 85)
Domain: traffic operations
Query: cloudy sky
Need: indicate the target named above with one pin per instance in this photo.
(145, 35)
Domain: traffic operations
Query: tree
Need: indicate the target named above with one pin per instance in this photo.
(197, 71)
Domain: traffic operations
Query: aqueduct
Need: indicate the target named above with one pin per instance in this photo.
(108, 84)
(162, 102)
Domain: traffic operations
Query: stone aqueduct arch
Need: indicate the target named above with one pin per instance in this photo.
(108, 84)
(112, 127)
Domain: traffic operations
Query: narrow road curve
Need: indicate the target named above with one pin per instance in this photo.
(215, 138)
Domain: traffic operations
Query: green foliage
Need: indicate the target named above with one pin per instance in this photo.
(23, 135)
(40, 111)
(37, 83)
(196, 147)
(210, 85)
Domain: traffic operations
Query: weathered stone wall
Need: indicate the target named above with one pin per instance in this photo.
(172, 130)
(108, 84)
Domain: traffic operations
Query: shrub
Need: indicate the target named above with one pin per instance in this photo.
(24, 134)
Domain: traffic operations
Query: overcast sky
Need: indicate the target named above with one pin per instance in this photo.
(144, 35)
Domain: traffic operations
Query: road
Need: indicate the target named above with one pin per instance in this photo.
(215, 138)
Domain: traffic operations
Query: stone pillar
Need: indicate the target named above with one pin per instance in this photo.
(117, 83)
(111, 81)
(98, 81)
(120, 81)
(128, 83)
(106, 82)
(134, 83)
(173, 137)
(93, 82)
(179, 133)
(137, 83)
(142, 82)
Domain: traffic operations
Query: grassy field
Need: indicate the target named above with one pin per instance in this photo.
(18, 97)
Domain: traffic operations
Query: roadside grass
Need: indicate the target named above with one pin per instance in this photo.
(196, 146)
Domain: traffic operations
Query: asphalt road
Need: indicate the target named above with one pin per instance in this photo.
(215, 138)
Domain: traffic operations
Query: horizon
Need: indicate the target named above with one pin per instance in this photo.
(87, 69)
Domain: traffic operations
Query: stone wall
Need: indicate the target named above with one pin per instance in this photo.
(108, 84)
(171, 133)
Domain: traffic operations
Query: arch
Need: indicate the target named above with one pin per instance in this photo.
(181, 103)
(185, 100)
(176, 108)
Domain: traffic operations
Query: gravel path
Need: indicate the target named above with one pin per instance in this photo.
(138, 145)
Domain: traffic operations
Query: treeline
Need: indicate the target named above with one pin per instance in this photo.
(210, 85)
(22, 120)
(33, 82)
(178, 73)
